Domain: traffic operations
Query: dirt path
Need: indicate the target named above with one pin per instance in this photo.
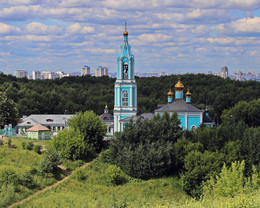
(47, 187)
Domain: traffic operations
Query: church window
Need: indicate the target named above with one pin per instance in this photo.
(193, 128)
(125, 98)
(125, 70)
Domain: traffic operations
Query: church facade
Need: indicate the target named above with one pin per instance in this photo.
(125, 86)
(125, 103)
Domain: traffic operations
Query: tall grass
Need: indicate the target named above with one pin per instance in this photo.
(96, 191)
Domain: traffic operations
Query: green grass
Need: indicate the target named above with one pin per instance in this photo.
(96, 192)
(23, 161)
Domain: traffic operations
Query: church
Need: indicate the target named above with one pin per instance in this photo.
(125, 103)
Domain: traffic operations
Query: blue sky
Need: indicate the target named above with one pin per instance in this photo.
(174, 36)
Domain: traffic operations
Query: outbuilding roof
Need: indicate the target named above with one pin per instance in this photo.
(38, 128)
(45, 119)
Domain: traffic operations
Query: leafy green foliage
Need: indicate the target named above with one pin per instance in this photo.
(8, 176)
(70, 144)
(200, 167)
(49, 161)
(90, 127)
(249, 112)
(29, 145)
(8, 110)
(230, 182)
(37, 148)
(79, 174)
(146, 148)
(115, 175)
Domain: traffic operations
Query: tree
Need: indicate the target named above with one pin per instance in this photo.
(146, 148)
(71, 145)
(90, 127)
(49, 161)
(8, 110)
(231, 181)
(249, 112)
(200, 167)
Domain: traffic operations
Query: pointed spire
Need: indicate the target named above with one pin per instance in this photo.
(125, 32)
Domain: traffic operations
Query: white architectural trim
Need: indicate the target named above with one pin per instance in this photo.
(131, 96)
(119, 96)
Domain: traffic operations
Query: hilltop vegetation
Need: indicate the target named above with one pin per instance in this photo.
(74, 94)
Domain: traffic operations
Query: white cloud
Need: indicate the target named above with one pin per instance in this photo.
(39, 28)
(5, 29)
(76, 28)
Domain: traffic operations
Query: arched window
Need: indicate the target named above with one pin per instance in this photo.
(193, 128)
(125, 98)
(125, 70)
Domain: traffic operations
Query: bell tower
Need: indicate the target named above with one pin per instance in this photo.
(125, 86)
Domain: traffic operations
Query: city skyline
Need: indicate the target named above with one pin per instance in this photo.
(171, 36)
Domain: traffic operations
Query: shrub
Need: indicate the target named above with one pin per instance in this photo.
(7, 195)
(49, 161)
(9, 143)
(1, 142)
(26, 179)
(23, 145)
(105, 156)
(8, 176)
(115, 175)
(29, 145)
(79, 174)
(37, 148)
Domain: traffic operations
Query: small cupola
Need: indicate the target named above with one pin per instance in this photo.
(188, 97)
(170, 94)
(179, 90)
(106, 110)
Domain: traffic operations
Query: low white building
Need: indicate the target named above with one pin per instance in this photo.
(54, 122)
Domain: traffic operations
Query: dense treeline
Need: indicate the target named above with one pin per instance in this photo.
(157, 147)
(74, 94)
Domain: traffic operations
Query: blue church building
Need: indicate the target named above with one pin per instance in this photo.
(125, 86)
(125, 103)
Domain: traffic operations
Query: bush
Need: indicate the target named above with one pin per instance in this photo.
(9, 143)
(8, 176)
(115, 175)
(79, 174)
(26, 179)
(105, 156)
(23, 145)
(49, 161)
(37, 148)
(29, 145)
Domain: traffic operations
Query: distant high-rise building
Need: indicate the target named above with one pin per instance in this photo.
(36, 75)
(49, 75)
(105, 71)
(85, 70)
(240, 76)
(101, 71)
(20, 73)
(60, 74)
(224, 72)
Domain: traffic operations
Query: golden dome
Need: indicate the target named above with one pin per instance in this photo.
(170, 93)
(179, 86)
(188, 94)
(125, 33)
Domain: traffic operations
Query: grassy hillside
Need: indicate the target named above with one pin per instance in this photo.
(96, 191)
(21, 165)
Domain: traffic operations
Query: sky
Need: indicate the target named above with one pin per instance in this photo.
(172, 36)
